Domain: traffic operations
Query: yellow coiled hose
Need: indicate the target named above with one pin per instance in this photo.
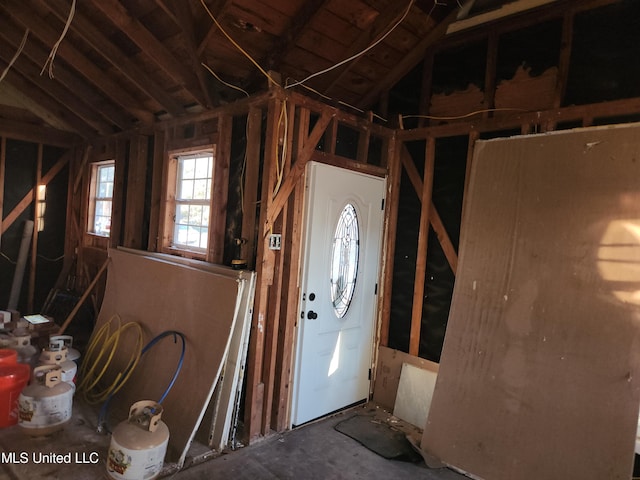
(100, 353)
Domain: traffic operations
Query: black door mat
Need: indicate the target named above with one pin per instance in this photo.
(379, 438)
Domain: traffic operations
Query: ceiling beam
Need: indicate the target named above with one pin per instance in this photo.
(186, 22)
(410, 60)
(66, 77)
(147, 85)
(150, 45)
(24, 14)
(30, 132)
(54, 89)
(218, 8)
(287, 41)
(379, 27)
(43, 106)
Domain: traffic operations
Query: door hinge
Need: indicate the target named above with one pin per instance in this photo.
(375, 289)
(369, 374)
(382, 206)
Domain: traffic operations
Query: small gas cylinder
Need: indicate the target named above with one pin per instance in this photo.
(138, 445)
(56, 354)
(73, 354)
(20, 341)
(45, 405)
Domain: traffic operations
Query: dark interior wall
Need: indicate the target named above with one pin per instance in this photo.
(603, 67)
(20, 174)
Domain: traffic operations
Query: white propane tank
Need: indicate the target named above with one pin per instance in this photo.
(45, 405)
(139, 444)
(73, 354)
(20, 341)
(56, 354)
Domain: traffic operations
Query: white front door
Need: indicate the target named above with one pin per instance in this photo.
(341, 256)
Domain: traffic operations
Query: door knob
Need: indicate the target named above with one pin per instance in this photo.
(311, 315)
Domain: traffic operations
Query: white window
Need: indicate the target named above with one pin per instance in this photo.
(101, 198)
(194, 178)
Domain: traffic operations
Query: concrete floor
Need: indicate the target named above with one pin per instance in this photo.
(314, 451)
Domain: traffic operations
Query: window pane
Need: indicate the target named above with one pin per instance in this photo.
(200, 190)
(188, 168)
(193, 196)
(203, 167)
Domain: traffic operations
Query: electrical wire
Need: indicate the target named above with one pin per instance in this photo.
(54, 50)
(235, 44)
(16, 55)
(466, 115)
(353, 57)
(235, 87)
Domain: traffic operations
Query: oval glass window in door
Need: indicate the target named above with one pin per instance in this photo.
(344, 260)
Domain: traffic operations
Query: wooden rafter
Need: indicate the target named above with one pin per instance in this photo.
(405, 65)
(130, 69)
(24, 14)
(217, 8)
(29, 132)
(67, 98)
(44, 106)
(150, 45)
(186, 22)
(296, 27)
(377, 29)
(66, 77)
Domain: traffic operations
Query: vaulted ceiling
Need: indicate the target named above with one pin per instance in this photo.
(97, 67)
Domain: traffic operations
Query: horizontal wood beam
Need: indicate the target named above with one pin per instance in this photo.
(29, 132)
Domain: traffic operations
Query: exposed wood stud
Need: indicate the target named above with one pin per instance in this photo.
(251, 177)
(421, 260)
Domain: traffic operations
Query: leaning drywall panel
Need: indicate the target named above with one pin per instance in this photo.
(162, 295)
(539, 371)
(388, 371)
(415, 391)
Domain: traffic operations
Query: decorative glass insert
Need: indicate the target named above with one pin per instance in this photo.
(344, 260)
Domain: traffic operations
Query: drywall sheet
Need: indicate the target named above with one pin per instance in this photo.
(539, 371)
(388, 372)
(415, 391)
(162, 295)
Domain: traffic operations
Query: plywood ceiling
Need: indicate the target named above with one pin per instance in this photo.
(128, 63)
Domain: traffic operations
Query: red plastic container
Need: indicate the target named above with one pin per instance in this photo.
(8, 356)
(13, 378)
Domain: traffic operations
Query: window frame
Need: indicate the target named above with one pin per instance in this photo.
(94, 198)
(170, 203)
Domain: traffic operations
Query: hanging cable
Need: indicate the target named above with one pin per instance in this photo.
(353, 57)
(54, 50)
(235, 44)
(223, 82)
(16, 55)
